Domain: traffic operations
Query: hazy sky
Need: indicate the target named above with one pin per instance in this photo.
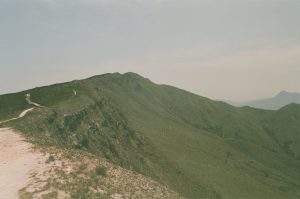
(223, 49)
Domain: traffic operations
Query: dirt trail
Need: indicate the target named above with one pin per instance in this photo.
(20, 116)
(25, 111)
(17, 162)
(31, 102)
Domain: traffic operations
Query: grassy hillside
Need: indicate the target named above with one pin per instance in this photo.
(198, 147)
(11, 105)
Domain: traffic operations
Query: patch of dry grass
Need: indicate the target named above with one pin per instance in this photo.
(73, 174)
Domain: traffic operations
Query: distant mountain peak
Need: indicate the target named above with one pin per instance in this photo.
(282, 99)
(283, 93)
(286, 93)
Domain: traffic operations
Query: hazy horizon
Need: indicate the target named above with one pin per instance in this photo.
(226, 100)
(234, 50)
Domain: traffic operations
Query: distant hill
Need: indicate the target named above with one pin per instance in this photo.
(199, 147)
(280, 100)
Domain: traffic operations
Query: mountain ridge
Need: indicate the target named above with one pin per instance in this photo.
(180, 139)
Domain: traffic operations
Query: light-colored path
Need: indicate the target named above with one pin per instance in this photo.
(17, 162)
(30, 102)
(20, 116)
(25, 111)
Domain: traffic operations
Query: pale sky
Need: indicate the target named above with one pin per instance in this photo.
(234, 49)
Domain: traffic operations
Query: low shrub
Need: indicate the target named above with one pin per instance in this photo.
(101, 171)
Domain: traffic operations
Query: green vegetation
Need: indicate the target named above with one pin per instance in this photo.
(50, 159)
(11, 105)
(100, 171)
(199, 147)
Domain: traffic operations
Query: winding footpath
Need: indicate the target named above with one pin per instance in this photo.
(30, 102)
(20, 116)
(17, 159)
(25, 111)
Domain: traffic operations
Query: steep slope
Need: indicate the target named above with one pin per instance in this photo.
(280, 100)
(198, 147)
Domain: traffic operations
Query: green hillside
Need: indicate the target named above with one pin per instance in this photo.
(199, 147)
